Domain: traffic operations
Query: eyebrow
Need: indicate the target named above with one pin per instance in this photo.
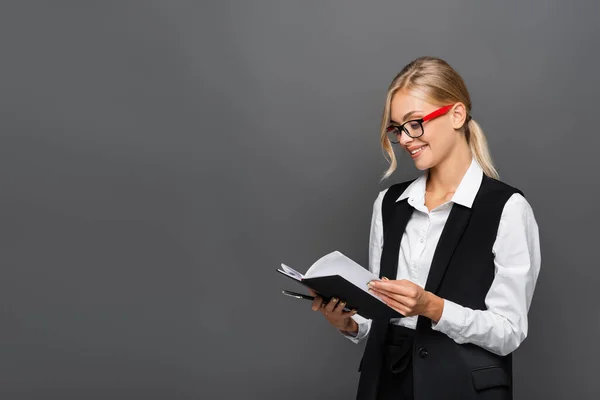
(408, 114)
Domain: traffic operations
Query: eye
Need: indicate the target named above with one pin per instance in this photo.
(413, 125)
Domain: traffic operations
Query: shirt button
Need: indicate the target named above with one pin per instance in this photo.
(421, 240)
(423, 352)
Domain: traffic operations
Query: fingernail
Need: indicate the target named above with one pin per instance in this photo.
(343, 304)
(385, 279)
(353, 312)
(371, 283)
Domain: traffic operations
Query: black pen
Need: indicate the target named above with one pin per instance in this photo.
(304, 296)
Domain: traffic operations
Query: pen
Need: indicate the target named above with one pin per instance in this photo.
(306, 297)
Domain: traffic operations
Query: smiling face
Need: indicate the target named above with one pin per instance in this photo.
(441, 135)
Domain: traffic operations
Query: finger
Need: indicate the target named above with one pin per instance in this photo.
(317, 303)
(404, 300)
(407, 301)
(395, 304)
(400, 287)
(339, 310)
(398, 306)
(404, 288)
(332, 304)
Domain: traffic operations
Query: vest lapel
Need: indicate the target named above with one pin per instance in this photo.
(451, 234)
(393, 230)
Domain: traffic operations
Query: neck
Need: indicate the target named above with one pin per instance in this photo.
(447, 175)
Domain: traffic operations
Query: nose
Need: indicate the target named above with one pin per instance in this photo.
(405, 139)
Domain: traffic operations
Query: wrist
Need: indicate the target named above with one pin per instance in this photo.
(351, 327)
(435, 307)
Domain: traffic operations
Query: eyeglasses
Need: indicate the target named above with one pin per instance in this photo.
(414, 127)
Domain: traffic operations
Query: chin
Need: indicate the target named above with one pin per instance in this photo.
(423, 165)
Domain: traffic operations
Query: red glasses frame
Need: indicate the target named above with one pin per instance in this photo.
(397, 129)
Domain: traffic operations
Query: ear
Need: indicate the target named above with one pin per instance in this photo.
(458, 115)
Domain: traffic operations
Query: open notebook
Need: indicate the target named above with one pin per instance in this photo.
(335, 275)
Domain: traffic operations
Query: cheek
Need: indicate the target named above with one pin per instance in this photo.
(439, 140)
(440, 145)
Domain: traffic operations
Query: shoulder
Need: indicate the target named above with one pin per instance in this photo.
(392, 192)
(379, 201)
(495, 195)
(396, 189)
(496, 185)
(506, 200)
(517, 223)
(517, 227)
(518, 207)
(517, 210)
(516, 201)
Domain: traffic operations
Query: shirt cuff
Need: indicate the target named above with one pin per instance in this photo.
(363, 330)
(453, 320)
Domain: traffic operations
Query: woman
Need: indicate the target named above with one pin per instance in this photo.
(461, 255)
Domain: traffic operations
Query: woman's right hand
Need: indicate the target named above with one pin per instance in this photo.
(333, 312)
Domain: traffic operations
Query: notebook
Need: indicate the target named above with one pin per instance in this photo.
(336, 275)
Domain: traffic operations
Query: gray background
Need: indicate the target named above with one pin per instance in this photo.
(159, 159)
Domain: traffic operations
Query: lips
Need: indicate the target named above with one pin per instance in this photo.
(416, 150)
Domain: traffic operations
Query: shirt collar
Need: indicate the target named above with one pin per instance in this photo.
(465, 192)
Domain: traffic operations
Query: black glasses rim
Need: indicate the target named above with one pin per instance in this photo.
(419, 120)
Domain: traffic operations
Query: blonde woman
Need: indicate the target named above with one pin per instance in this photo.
(456, 249)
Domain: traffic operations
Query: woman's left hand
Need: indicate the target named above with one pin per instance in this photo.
(402, 295)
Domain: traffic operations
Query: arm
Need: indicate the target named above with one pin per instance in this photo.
(375, 246)
(502, 327)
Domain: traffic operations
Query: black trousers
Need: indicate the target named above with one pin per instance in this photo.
(396, 378)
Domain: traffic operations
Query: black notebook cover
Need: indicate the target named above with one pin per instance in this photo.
(335, 286)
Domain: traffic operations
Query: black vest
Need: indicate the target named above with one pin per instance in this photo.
(462, 271)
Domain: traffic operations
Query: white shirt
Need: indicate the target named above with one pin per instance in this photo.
(503, 325)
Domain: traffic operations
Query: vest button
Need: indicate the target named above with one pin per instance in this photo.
(423, 352)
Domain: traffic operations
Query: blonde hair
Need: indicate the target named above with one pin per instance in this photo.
(442, 85)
